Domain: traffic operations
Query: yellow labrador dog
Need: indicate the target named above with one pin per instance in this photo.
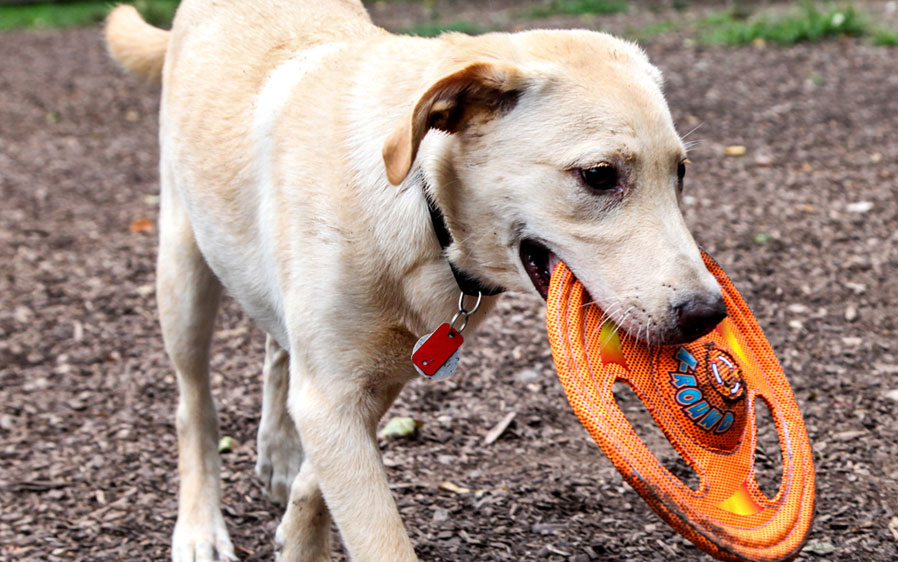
(344, 183)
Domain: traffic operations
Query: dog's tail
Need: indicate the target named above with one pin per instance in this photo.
(136, 46)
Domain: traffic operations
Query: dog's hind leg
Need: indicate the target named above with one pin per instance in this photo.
(188, 295)
(304, 534)
(278, 450)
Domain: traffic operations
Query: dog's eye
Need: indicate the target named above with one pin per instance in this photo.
(602, 177)
(681, 173)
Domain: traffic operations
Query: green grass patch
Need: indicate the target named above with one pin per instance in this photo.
(578, 8)
(886, 38)
(432, 29)
(808, 24)
(652, 30)
(79, 14)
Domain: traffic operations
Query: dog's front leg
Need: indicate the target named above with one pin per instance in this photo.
(337, 419)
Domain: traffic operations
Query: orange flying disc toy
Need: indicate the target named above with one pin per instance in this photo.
(702, 396)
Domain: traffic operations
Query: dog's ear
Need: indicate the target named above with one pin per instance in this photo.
(449, 105)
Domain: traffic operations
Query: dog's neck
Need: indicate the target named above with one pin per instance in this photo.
(467, 283)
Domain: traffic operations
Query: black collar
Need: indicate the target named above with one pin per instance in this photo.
(468, 284)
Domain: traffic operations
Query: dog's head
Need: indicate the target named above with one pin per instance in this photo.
(561, 147)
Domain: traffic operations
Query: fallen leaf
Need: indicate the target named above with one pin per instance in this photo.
(226, 444)
(141, 225)
(735, 150)
(448, 486)
(400, 427)
(762, 238)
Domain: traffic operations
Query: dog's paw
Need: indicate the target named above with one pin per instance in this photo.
(307, 550)
(205, 542)
(279, 460)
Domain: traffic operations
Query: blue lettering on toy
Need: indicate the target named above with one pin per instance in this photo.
(691, 399)
(697, 410)
(709, 421)
(680, 380)
(687, 360)
(725, 423)
(688, 396)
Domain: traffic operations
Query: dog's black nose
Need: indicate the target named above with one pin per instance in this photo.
(699, 314)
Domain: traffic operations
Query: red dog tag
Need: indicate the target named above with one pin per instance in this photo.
(434, 350)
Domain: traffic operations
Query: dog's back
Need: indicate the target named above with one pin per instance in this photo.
(276, 26)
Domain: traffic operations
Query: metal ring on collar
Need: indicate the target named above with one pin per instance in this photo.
(461, 304)
(463, 324)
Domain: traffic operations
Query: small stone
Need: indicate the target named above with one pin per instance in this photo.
(763, 160)
(796, 325)
(797, 308)
(820, 547)
(856, 288)
(849, 435)
(526, 375)
(22, 314)
(850, 313)
(892, 395)
(859, 207)
(852, 341)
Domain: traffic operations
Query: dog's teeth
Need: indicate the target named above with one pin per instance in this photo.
(553, 261)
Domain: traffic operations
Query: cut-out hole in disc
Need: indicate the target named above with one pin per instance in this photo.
(645, 427)
(768, 452)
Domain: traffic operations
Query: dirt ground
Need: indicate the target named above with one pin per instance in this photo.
(806, 224)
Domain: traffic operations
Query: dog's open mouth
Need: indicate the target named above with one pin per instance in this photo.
(539, 262)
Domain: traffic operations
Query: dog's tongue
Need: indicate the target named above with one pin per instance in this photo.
(702, 395)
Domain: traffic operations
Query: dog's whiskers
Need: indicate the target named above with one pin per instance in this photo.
(694, 129)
